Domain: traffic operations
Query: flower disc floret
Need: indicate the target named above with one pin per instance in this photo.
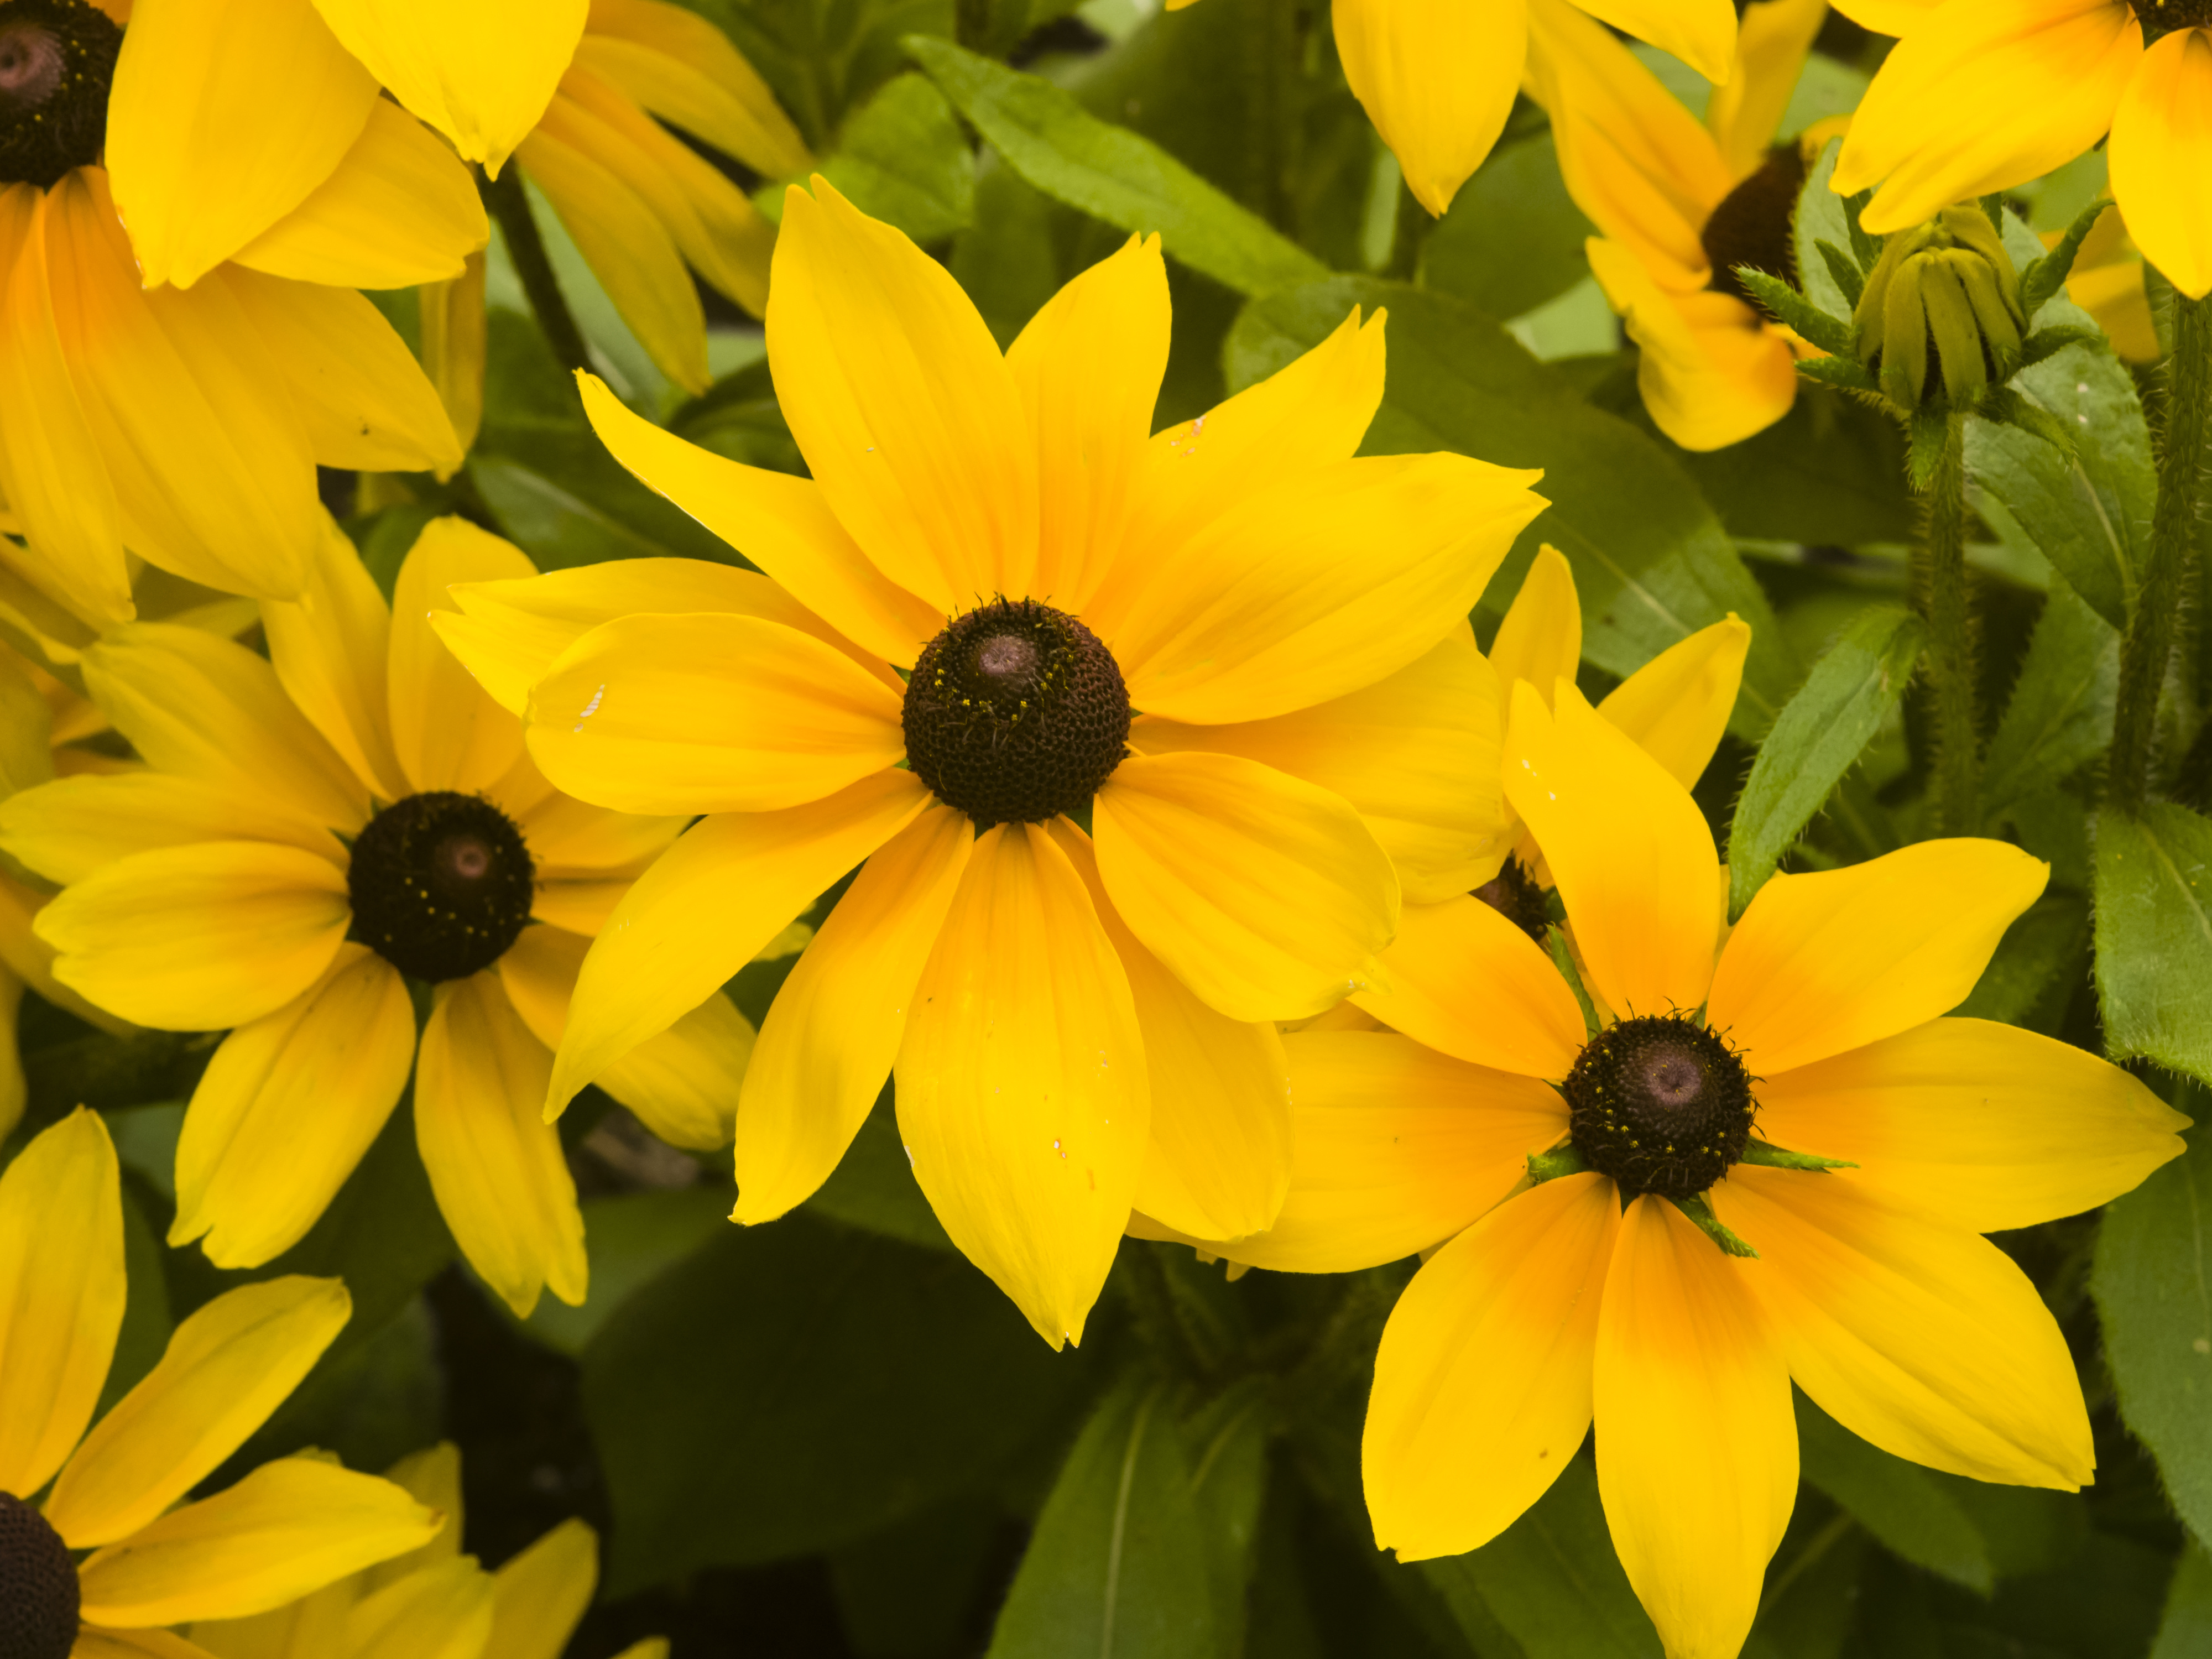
(1660, 1104)
(1015, 713)
(441, 884)
(39, 1597)
(57, 62)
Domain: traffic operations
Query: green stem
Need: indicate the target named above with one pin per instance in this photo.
(2148, 644)
(1273, 66)
(1406, 239)
(526, 249)
(1947, 603)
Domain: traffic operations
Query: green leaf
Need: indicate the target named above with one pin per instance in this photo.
(2186, 1631)
(1901, 1503)
(2154, 937)
(1765, 1152)
(1111, 173)
(2154, 1301)
(904, 160)
(1552, 1580)
(1832, 334)
(1818, 738)
(794, 1387)
(1821, 216)
(1513, 238)
(2031, 979)
(822, 58)
(1652, 561)
(2060, 715)
(635, 1238)
(2043, 279)
(1844, 374)
(1843, 272)
(1699, 1209)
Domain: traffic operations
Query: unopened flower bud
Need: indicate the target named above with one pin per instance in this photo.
(1948, 289)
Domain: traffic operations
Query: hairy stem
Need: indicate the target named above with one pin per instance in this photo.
(510, 205)
(1947, 603)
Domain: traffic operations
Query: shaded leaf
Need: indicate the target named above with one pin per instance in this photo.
(1513, 238)
(2059, 717)
(1832, 334)
(2185, 1630)
(2042, 957)
(2154, 890)
(635, 1238)
(2042, 280)
(904, 160)
(873, 1188)
(1899, 1502)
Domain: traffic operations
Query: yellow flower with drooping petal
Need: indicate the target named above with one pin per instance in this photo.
(311, 832)
(436, 1602)
(120, 1486)
(1979, 95)
(1790, 1084)
(1001, 606)
(1681, 204)
(1438, 77)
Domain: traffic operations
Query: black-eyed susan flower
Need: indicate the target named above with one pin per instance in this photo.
(1681, 203)
(1765, 1156)
(187, 198)
(1001, 608)
(312, 833)
(435, 1602)
(120, 1487)
(1979, 95)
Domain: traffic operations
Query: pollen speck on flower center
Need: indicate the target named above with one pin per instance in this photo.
(1660, 1104)
(38, 1594)
(441, 884)
(57, 62)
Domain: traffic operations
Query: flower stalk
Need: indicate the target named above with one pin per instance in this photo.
(1945, 602)
(510, 204)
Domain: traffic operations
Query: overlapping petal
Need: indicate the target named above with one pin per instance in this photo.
(1437, 78)
(1469, 983)
(1712, 372)
(1677, 705)
(67, 829)
(683, 68)
(2161, 158)
(446, 733)
(331, 651)
(539, 1596)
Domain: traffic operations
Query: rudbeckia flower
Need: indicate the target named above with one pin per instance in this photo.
(1681, 203)
(313, 833)
(1980, 96)
(1438, 77)
(1125, 732)
(1790, 1086)
(435, 1602)
(122, 1489)
(170, 387)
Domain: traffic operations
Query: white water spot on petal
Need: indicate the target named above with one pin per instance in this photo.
(591, 708)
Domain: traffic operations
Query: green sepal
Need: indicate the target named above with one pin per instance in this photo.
(1769, 1156)
(1924, 438)
(1830, 334)
(1845, 372)
(1701, 1211)
(1564, 1159)
(2043, 279)
(1868, 247)
(2008, 407)
(1841, 266)
(2050, 342)
(1563, 959)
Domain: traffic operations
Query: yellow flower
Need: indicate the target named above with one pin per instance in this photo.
(1681, 203)
(435, 1602)
(1983, 95)
(119, 1491)
(171, 389)
(313, 831)
(1071, 1023)
(1438, 77)
(1812, 1026)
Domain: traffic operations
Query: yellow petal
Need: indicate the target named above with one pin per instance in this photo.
(67, 829)
(1989, 1126)
(835, 1027)
(1888, 16)
(1540, 638)
(1981, 98)
(1633, 855)
(211, 709)
(328, 650)
(360, 397)
(202, 937)
(1320, 587)
(726, 889)
(61, 1294)
(433, 1478)
(286, 1108)
(1711, 374)
(1415, 753)
(2161, 149)
(441, 1612)
(454, 342)
(570, 839)
(1701, 33)
(541, 1595)
(1218, 1163)
(494, 1162)
(480, 74)
(1437, 77)
(1823, 963)
(908, 417)
(1923, 1338)
(781, 523)
(1689, 1377)
(225, 115)
(1089, 367)
(447, 733)
(1022, 1093)
(1264, 894)
(397, 211)
(288, 1529)
(1746, 111)
(1398, 1148)
(709, 714)
(1482, 1381)
(684, 69)
(227, 1367)
(1677, 705)
(136, 1644)
(1463, 980)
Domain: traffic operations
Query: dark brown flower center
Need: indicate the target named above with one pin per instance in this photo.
(2161, 18)
(1751, 226)
(38, 1586)
(1514, 894)
(1660, 1103)
(57, 62)
(1016, 712)
(442, 885)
